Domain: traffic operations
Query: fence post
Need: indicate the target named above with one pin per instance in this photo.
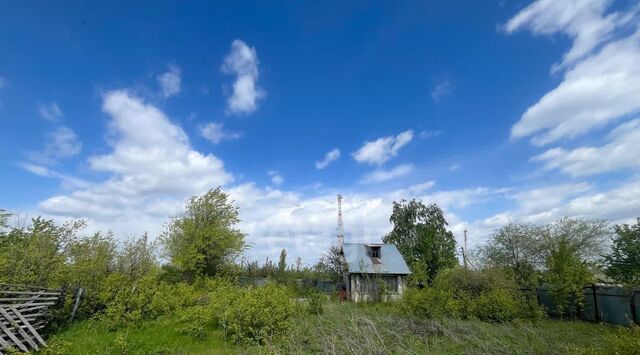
(596, 317)
(76, 304)
(633, 307)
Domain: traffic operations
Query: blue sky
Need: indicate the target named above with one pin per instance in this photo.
(496, 110)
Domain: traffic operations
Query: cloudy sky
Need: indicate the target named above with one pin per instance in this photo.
(495, 110)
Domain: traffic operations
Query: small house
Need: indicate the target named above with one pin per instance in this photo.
(374, 272)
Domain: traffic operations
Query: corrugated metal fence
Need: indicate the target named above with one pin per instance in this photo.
(610, 304)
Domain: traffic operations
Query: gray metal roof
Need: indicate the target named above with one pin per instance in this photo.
(359, 259)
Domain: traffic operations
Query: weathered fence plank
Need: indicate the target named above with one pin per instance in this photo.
(22, 311)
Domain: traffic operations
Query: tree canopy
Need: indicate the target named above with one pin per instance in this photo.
(623, 264)
(203, 240)
(421, 235)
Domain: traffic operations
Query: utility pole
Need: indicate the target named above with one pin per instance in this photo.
(464, 251)
(340, 225)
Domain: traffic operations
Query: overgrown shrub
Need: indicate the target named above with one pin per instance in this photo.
(431, 302)
(460, 281)
(499, 305)
(487, 295)
(316, 301)
(194, 321)
(127, 301)
(258, 315)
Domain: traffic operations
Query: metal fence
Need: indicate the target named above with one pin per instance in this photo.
(602, 303)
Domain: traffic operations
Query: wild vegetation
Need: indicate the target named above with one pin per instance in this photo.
(196, 303)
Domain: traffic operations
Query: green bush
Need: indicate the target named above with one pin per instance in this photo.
(460, 281)
(431, 302)
(497, 305)
(487, 295)
(258, 315)
(194, 321)
(316, 301)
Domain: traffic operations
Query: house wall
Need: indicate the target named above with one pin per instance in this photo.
(372, 287)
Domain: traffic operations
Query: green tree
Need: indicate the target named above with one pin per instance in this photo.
(332, 264)
(137, 258)
(37, 255)
(203, 240)
(282, 263)
(421, 235)
(623, 264)
(568, 275)
(518, 249)
(586, 237)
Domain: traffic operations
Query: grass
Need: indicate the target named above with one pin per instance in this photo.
(379, 329)
(149, 337)
(369, 329)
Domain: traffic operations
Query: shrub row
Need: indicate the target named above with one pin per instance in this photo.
(466, 294)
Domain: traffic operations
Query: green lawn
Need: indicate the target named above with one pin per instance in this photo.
(356, 329)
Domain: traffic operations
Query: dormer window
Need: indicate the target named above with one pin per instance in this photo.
(375, 252)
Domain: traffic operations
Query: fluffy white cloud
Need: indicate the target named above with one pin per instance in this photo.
(274, 219)
(419, 188)
(242, 61)
(170, 82)
(330, 157)
(536, 200)
(50, 111)
(621, 152)
(151, 169)
(618, 205)
(382, 175)
(381, 150)
(62, 143)
(584, 21)
(603, 82)
(276, 178)
(215, 133)
(67, 180)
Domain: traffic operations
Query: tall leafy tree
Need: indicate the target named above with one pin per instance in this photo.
(517, 249)
(421, 235)
(282, 263)
(567, 274)
(37, 254)
(204, 240)
(332, 263)
(623, 264)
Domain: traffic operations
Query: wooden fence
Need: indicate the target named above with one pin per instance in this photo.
(23, 312)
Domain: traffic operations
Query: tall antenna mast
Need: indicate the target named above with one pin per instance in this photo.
(464, 252)
(340, 225)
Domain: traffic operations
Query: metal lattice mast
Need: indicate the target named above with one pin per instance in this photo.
(340, 225)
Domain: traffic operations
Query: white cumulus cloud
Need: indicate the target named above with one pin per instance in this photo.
(621, 152)
(170, 82)
(50, 111)
(381, 150)
(242, 61)
(602, 79)
(62, 143)
(151, 169)
(329, 158)
(382, 175)
(276, 178)
(215, 133)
